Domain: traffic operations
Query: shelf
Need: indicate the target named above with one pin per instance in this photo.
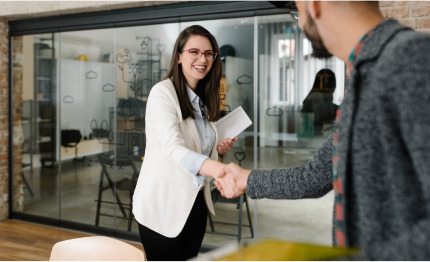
(44, 120)
(42, 124)
(45, 139)
(44, 57)
(25, 165)
(38, 121)
(89, 62)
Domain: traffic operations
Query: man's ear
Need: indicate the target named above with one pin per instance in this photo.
(314, 9)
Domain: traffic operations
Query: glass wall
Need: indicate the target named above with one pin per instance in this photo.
(143, 56)
(297, 102)
(87, 100)
(35, 74)
(84, 96)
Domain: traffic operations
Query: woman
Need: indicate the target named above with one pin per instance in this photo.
(172, 194)
(320, 100)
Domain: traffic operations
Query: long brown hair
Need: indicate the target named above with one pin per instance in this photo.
(207, 88)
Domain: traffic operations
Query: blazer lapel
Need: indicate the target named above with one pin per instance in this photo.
(194, 133)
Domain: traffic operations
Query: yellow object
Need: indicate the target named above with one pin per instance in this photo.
(82, 57)
(143, 158)
(277, 250)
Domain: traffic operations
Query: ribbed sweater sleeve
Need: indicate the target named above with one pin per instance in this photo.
(312, 180)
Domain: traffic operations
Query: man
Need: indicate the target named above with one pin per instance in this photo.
(377, 158)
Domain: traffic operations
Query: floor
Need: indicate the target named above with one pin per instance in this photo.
(22, 241)
(308, 220)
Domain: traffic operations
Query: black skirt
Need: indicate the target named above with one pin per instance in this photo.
(183, 247)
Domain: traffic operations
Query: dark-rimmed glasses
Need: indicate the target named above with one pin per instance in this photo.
(196, 54)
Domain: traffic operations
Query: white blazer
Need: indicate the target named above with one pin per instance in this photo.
(165, 193)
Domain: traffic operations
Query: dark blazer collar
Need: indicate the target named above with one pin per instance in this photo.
(376, 41)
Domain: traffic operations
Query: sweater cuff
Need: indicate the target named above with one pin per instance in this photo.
(256, 183)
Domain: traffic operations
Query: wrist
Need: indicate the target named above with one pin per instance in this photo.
(211, 168)
(243, 179)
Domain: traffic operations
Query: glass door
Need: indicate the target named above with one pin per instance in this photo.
(87, 128)
(298, 97)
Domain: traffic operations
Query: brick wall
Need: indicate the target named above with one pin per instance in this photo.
(18, 196)
(4, 120)
(414, 14)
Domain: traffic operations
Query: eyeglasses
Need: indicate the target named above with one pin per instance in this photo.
(295, 15)
(196, 54)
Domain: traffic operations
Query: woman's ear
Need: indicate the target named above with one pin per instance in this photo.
(179, 59)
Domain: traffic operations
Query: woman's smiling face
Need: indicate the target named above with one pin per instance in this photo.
(195, 70)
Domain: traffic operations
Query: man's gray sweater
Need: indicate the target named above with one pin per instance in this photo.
(384, 150)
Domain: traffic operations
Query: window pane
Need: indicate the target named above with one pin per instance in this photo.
(297, 104)
(143, 58)
(86, 99)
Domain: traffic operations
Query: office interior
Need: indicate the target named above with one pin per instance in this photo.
(84, 95)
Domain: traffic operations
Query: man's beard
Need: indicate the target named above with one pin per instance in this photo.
(311, 32)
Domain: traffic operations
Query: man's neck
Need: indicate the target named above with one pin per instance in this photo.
(347, 35)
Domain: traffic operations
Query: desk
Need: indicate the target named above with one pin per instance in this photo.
(85, 148)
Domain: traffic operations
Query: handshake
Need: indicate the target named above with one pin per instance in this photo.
(231, 180)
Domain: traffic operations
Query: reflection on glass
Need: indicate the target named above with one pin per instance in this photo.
(98, 142)
(319, 104)
(298, 97)
(35, 183)
(86, 124)
(143, 56)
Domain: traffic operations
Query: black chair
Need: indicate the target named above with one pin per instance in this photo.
(238, 201)
(125, 184)
(71, 138)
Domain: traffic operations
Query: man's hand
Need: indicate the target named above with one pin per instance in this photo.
(232, 180)
(227, 187)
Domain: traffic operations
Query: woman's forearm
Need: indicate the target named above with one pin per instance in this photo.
(211, 168)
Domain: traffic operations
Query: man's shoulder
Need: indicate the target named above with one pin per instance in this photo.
(407, 45)
(407, 52)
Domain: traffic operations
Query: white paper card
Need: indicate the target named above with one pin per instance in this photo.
(233, 124)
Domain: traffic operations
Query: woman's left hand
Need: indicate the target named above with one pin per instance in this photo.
(225, 145)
